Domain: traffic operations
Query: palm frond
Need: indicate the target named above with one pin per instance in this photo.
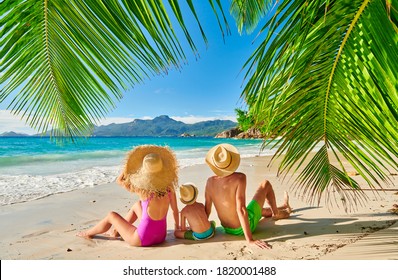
(248, 13)
(65, 63)
(326, 74)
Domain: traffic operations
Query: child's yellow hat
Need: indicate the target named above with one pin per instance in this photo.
(188, 193)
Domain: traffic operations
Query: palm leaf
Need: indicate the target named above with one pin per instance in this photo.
(326, 75)
(64, 64)
(248, 13)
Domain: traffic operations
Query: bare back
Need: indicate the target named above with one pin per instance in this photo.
(196, 216)
(158, 206)
(224, 193)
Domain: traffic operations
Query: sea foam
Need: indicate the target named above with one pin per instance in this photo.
(21, 188)
(31, 169)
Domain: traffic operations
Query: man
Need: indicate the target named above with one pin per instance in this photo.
(227, 191)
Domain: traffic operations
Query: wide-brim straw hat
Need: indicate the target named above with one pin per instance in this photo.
(150, 169)
(223, 159)
(188, 193)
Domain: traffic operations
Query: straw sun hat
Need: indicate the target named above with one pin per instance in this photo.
(150, 169)
(223, 159)
(188, 193)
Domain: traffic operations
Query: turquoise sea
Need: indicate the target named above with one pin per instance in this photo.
(35, 167)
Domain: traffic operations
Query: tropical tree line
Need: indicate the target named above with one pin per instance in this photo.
(325, 74)
(245, 119)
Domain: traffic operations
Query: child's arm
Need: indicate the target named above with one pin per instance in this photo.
(208, 201)
(174, 208)
(183, 221)
(180, 232)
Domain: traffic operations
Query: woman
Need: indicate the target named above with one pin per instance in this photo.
(151, 172)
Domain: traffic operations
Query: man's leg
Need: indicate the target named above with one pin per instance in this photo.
(265, 193)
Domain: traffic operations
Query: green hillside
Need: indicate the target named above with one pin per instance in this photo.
(164, 126)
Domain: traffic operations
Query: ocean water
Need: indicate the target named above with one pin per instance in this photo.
(35, 167)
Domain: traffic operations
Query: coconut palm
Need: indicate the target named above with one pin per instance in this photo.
(324, 75)
(69, 61)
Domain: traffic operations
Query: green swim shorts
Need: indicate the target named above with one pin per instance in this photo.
(254, 215)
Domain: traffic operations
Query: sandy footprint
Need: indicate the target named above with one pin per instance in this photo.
(38, 233)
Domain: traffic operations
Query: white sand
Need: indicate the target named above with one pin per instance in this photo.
(46, 228)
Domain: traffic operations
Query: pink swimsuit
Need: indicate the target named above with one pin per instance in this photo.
(151, 231)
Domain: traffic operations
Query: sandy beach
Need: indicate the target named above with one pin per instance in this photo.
(45, 229)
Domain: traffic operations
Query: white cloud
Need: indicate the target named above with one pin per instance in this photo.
(10, 122)
(163, 91)
(146, 118)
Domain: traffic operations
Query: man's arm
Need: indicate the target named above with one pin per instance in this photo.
(241, 207)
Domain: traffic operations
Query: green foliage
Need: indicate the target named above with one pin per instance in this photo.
(326, 75)
(248, 13)
(68, 61)
(245, 120)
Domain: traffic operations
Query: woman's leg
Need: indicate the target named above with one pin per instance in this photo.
(131, 216)
(123, 227)
(134, 213)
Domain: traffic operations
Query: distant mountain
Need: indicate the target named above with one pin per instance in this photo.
(13, 134)
(164, 126)
(159, 126)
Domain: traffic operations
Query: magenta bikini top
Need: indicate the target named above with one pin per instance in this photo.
(151, 231)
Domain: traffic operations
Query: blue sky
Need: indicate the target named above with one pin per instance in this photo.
(206, 88)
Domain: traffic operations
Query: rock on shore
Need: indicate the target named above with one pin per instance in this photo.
(252, 133)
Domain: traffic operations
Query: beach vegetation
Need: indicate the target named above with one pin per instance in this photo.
(323, 80)
(244, 119)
